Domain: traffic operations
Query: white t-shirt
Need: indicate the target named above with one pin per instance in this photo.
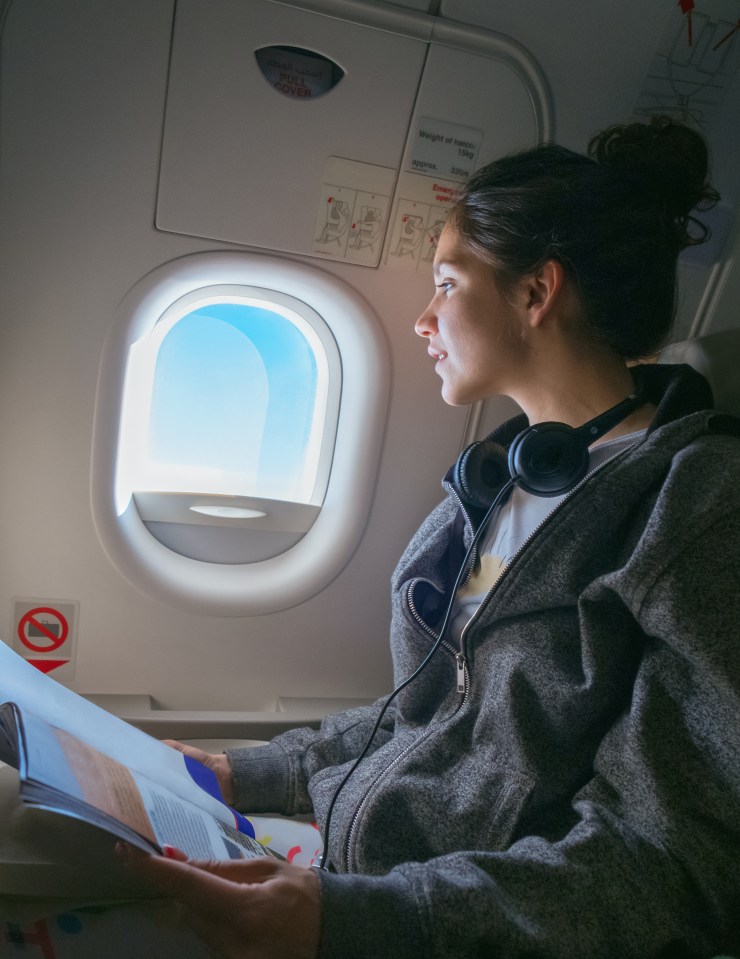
(509, 527)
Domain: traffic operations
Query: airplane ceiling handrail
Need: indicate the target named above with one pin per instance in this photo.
(435, 29)
(370, 13)
(501, 47)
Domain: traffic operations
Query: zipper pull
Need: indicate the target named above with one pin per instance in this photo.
(460, 672)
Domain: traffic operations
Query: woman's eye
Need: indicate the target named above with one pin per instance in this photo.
(445, 285)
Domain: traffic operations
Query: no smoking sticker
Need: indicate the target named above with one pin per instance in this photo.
(45, 634)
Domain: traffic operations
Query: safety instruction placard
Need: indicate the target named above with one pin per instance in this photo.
(44, 633)
(419, 215)
(352, 219)
(444, 150)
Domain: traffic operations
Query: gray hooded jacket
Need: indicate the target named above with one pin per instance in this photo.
(576, 794)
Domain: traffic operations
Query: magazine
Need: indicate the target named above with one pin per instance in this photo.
(76, 759)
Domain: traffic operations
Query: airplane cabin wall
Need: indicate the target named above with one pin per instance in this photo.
(84, 87)
(82, 105)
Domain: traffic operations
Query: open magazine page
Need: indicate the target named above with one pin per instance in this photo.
(42, 696)
(62, 773)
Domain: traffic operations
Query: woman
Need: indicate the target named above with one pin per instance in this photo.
(560, 779)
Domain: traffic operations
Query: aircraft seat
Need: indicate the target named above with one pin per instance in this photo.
(717, 357)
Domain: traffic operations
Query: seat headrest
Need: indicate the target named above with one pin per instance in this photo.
(717, 357)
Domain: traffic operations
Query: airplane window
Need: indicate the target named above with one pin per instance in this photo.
(237, 398)
(227, 475)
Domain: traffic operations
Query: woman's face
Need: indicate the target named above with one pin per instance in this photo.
(473, 332)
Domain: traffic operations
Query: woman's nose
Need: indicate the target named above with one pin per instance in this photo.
(426, 324)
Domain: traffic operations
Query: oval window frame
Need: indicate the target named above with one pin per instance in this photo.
(296, 575)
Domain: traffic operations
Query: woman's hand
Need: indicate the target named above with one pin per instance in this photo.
(243, 909)
(218, 762)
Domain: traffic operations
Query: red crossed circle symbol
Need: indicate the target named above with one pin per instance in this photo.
(31, 619)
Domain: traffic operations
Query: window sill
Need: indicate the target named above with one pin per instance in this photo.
(236, 511)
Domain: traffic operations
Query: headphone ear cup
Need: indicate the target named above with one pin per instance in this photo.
(480, 472)
(548, 459)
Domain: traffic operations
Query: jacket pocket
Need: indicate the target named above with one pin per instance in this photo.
(417, 812)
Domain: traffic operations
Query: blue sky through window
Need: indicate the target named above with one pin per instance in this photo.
(234, 393)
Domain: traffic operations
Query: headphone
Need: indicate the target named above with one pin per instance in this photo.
(547, 459)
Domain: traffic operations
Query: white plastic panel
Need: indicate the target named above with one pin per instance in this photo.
(240, 161)
(281, 581)
(470, 108)
(83, 106)
(481, 92)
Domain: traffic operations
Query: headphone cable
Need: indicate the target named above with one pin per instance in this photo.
(323, 862)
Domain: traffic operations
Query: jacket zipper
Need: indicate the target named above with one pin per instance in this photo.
(462, 673)
(461, 669)
(473, 558)
(460, 661)
(463, 685)
(366, 798)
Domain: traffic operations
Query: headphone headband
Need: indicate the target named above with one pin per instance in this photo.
(601, 424)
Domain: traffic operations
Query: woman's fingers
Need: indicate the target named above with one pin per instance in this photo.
(218, 762)
(245, 908)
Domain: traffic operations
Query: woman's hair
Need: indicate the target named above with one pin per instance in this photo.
(615, 219)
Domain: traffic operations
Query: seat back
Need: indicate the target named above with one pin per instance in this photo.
(717, 357)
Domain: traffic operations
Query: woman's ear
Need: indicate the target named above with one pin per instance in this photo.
(543, 291)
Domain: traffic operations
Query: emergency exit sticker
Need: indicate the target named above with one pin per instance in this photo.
(44, 632)
(444, 150)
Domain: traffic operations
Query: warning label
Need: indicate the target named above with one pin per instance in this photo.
(444, 150)
(45, 633)
(419, 216)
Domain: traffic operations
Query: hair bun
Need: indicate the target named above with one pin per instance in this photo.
(671, 160)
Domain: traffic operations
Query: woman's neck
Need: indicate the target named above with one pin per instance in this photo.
(573, 389)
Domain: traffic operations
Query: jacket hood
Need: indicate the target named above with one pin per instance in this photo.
(676, 390)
